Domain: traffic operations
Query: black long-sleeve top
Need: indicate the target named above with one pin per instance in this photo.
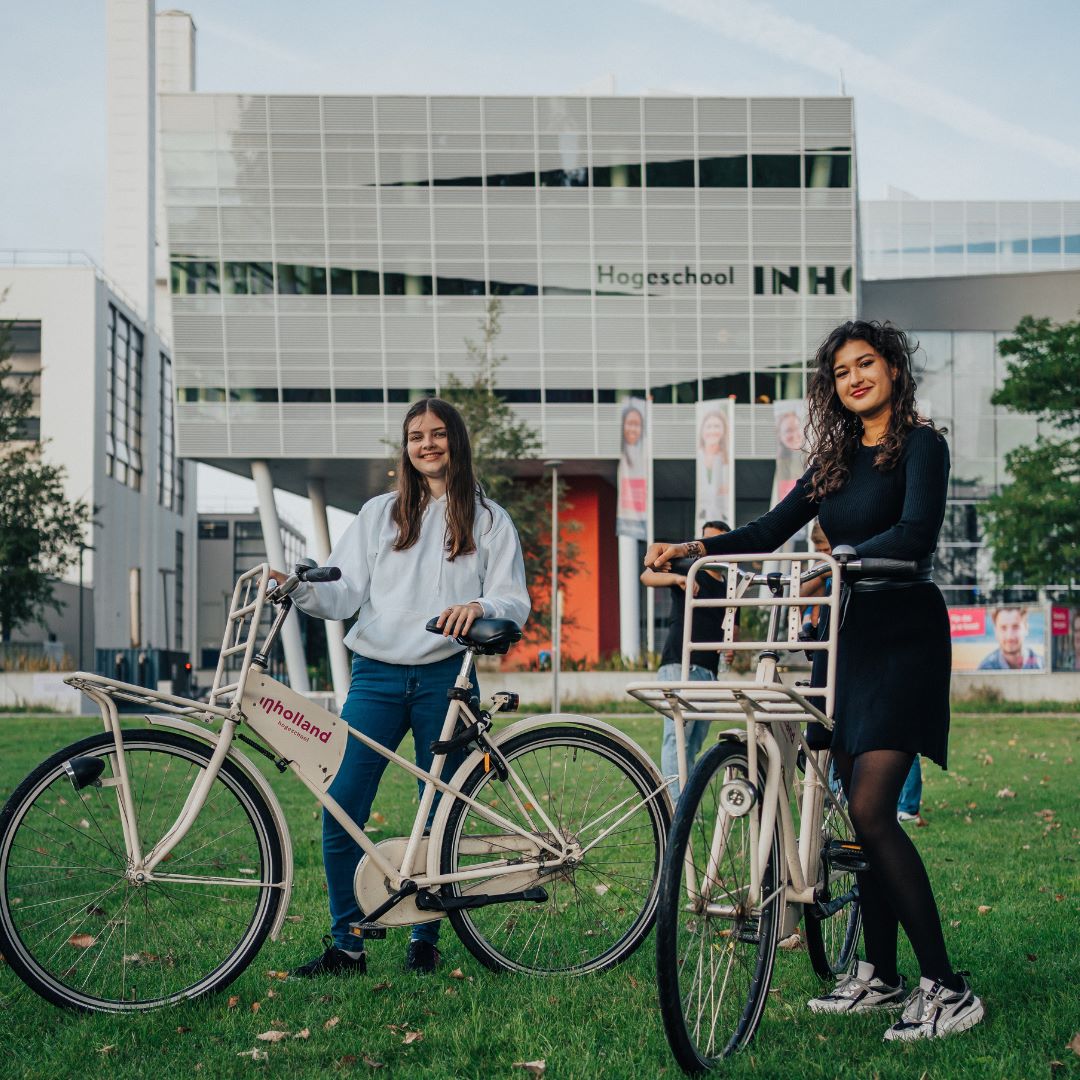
(894, 514)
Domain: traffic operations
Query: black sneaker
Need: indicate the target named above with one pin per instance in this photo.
(422, 957)
(332, 962)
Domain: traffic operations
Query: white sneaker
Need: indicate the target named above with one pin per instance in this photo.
(934, 1011)
(860, 992)
(903, 815)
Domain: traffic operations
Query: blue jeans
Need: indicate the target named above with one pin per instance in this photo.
(384, 702)
(911, 793)
(696, 730)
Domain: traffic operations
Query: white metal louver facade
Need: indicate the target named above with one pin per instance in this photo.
(552, 203)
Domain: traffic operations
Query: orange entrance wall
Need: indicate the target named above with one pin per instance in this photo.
(591, 596)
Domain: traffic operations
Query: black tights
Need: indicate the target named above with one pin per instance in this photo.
(895, 890)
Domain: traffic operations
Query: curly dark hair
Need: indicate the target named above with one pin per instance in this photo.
(833, 431)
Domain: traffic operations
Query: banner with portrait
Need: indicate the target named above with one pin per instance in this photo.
(1008, 637)
(715, 455)
(1065, 638)
(789, 420)
(632, 476)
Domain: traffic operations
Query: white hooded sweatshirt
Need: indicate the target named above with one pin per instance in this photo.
(397, 592)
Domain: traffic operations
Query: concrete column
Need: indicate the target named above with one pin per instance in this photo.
(340, 662)
(295, 664)
(629, 604)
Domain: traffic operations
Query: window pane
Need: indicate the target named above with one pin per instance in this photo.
(305, 395)
(776, 170)
(364, 395)
(255, 394)
(301, 280)
(828, 170)
(677, 174)
(568, 178)
(722, 172)
(617, 176)
(519, 179)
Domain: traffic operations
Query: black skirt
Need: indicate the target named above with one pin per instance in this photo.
(893, 667)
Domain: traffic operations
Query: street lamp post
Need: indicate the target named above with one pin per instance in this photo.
(82, 547)
(556, 614)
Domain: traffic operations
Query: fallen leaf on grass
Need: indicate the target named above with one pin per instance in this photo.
(82, 941)
(954, 923)
(450, 992)
(985, 909)
(379, 819)
(1006, 793)
(1046, 815)
(412, 1037)
(601, 889)
(332, 1023)
(84, 824)
(294, 918)
(1074, 1044)
(182, 1030)
(234, 1001)
(1059, 897)
(107, 1049)
(371, 1063)
(533, 1068)
(282, 975)
(254, 1053)
(633, 982)
(381, 986)
(457, 973)
(272, 1036)
(256, 1006)
(271, 993)
(821, 1037)
(303, 1033)
(791, 943)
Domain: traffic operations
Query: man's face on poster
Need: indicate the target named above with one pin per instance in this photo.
(1010, 629)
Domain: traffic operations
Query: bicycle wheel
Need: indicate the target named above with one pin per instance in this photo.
(715, 952)
(600, 908)
(80, 933)
(833, 924)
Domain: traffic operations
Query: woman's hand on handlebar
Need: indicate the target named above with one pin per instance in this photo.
(457, 620)
(278, 577)
(659, 556)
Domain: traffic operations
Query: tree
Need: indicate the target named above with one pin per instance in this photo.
(40, 529)
(1033, 524)
(500, 441)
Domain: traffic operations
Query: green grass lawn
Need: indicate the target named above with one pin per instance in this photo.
(1015, 856)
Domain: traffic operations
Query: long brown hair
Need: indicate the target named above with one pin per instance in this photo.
(833, 431)
(462, 489)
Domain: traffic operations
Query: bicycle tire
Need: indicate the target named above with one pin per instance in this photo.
(132, 948)
(694, 947)
(832, 942)
(600, 911)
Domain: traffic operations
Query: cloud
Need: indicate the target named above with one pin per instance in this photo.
(756, 24)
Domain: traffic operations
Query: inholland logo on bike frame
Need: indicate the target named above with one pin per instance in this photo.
(272, 707)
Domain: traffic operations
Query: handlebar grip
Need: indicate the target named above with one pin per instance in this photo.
(681, 566)
(322, 573)
(888, 567)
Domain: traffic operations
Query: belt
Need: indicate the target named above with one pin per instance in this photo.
(880, 584)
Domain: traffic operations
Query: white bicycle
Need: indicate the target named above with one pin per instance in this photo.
(143, 867)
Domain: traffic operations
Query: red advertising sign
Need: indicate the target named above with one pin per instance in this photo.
(967, 621)
(1059, 621)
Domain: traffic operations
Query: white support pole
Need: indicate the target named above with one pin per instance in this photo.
(629, 602)
(340, 672)
(295, 664)
(556, 607)
(650, 528)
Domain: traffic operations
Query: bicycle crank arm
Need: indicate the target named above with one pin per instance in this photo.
(426, 901)
(826, 909)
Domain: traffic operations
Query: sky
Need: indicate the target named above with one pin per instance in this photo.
(954, 99)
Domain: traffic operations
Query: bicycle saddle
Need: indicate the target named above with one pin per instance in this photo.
(486, 635)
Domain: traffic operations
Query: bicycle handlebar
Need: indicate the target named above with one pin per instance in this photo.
(303, 571)
(867, 567)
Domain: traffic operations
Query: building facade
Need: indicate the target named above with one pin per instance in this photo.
(330, 257)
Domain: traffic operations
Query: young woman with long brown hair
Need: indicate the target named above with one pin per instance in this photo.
(433, 547)
(877, 480)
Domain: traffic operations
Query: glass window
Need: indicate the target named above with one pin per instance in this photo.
(170, 469)
(519, 397)
(248, 279)
(178, 592)
(605, 397)
(254, 395)
(722, 172)
(305, 395)
(617, 176)
(722, 386)
(567, 178)
(982, 247)
(213, 530)
(511, 288)
(188, 394)
(362, 395)
(301, 280)
(776, 170)
(677, 174)
(22, 341)
(1020, 247)
(459, 287)
(393, 284)
(457, 181)
(1046, 245)
(828, 170)
(193, 278)
(518, 179)
(123, 408)
(1072, 244)
(569, 397)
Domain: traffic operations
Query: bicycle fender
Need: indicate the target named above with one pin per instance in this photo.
(247, 767)
(528, 724)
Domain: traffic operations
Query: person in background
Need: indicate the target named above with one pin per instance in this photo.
(1013, 653)
(704, 666)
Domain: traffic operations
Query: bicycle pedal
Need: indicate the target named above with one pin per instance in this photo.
(370, 930)
(846, 855)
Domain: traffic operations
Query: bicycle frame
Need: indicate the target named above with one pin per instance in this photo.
(245, 702)
(771, 714)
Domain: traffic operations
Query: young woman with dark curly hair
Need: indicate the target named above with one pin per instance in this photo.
(877, 480)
